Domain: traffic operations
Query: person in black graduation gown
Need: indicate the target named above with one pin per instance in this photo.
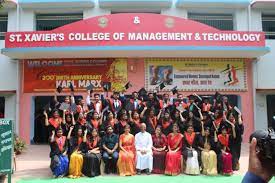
(54, 122)
(150, 119)
(236, 146)
(92, 156)
(59, 149)
(152, 101)
(207, 147)
(180, 120)
(194, 121)
(122, 122)
(68, 121)
(110, 121)
(166, 123)
(134, 122)
(207, 120)
(78, 146)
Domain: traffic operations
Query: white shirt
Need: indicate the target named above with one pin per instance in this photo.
(143, 141)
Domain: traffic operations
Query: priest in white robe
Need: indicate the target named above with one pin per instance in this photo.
(143, 143)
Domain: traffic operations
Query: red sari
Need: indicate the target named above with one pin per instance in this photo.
(173, 159)
(226, 157)
(159, 156)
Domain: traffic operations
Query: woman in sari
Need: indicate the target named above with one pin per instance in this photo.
(92, 158)
(191, 152)
(126, 160)
(225, 156)
(159, 151)
(77, 147)
(208, 155)
(58, 154)
(173, 156)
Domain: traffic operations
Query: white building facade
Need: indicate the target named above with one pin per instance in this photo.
(237, 15)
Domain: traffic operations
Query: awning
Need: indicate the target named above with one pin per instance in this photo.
(263, 4)
(56, 3)
(135, 4)
(135, 51)
(213, 3)
(132, 35)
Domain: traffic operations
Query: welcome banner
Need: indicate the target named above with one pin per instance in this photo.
(47, 75)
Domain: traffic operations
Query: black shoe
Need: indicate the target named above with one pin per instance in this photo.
(148, 172)
(138, 172)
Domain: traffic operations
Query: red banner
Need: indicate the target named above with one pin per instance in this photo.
(134, 29)
(47, 75)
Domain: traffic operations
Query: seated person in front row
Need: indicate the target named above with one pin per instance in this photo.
(110, 153)
(144, 144)
(58, 154)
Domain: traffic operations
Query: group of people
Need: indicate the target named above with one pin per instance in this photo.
(144, 133)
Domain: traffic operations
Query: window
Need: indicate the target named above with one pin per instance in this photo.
(46, 22)
(2, 107)
(268, 22)
(219, 21)
(3, 26)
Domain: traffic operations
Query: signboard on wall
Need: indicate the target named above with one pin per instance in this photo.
(134, 29)
(6, 150)
(197, 74)
(47, 75)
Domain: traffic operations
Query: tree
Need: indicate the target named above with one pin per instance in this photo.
(2, 3)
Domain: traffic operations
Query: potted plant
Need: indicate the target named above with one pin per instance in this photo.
(19, 145)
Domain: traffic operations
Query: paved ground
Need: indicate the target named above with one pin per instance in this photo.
(35, 163)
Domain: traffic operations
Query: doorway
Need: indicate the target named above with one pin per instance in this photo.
(41, 134)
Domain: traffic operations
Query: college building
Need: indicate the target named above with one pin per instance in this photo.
(200, 46)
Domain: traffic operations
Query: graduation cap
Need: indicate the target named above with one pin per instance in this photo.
(71, 86)
(106, 86)
(206, 98)
(237, 110)
(218, 96)
(73, 107)
(59, 89)
(191, 97)
(197, 97)
(142, 92)
(128, 85)
(161, 86)
(174, 90)
(64, 106)
(90, 87)
(47, 107)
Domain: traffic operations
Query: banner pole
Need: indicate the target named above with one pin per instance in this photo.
(9, 178)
